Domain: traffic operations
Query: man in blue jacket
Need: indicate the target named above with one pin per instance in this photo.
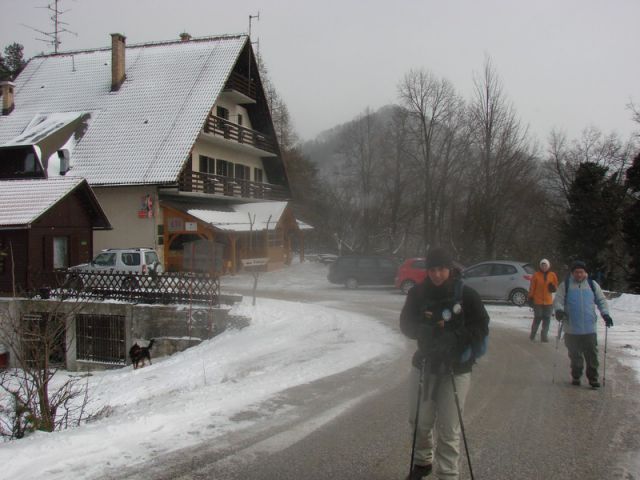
(575, 305)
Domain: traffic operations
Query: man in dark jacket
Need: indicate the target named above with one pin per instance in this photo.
(447, 319)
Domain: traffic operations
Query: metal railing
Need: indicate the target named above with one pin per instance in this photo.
(241, 84)
(231, 187)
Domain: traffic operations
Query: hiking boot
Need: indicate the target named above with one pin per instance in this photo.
(532, 337)
(594, 384)
(575, 381)
(419, 472)
(544, 339)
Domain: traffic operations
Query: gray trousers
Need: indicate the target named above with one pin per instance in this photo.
(439, 415)
(541, 314)
(583, 349)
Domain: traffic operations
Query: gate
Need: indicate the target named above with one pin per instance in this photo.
(101, 338)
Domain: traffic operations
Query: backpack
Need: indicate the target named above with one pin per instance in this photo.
(566, 287)
(478, 347)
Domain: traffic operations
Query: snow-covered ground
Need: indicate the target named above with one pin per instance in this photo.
(197, 395)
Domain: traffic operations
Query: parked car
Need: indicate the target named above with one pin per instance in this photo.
(412, 272)
(354, 270)
(142, 261)
(500, 280)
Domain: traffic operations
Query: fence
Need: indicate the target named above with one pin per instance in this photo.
(166, 288)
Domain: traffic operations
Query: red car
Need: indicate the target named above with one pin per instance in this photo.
(412, 272)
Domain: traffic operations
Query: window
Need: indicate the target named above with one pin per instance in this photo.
(367, 263)
(60, 252)
(131, 259)
(150, 258)
(224, 168)
(105, 260)
(257, 175)
(240, 119)
(502, 269)
(386, 263)
(479, 271)
(242, 172)
(207, 164)
(222, 113)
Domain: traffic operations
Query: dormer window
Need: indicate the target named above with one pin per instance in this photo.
(20, 162)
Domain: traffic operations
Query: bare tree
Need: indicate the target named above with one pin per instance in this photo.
(37, 343)
(429, 101)
(501, 143)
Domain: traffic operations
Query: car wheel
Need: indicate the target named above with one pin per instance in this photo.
(518, 297)
(406, 286)
(351, 283)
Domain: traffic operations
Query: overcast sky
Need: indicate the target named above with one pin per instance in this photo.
(566, 64)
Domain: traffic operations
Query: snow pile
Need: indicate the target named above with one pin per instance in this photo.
(194, 396)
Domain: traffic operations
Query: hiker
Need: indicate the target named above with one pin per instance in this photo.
(543, 284)
(447, 319)
(575, 305)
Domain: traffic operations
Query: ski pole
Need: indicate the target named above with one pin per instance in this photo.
(555, 357)
(604, 363)
(417, 416)
(464, 435)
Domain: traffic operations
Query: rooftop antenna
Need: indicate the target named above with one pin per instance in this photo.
(251, 17)
(53, 38)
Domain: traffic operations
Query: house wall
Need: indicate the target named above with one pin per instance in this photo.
(234, 110)
(13, 247)
(127, 210)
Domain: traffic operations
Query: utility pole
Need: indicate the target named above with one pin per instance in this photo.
(53, 38)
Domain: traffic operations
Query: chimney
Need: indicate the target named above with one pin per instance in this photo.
(185, 37)
(117, 60)
(7, 97)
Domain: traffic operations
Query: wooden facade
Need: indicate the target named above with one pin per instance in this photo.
(27, 251)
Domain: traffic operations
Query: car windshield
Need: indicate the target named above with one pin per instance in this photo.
(150, 258)
(105, 259)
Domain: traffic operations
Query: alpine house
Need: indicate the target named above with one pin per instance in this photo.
(174, 138)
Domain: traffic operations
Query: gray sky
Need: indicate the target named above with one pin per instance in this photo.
(566, 64)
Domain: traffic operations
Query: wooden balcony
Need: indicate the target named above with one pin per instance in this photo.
(199, 182)
(240, 135)
(242, 85)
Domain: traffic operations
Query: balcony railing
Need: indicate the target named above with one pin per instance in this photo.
(231, 187)
(241, 84)
(231, 131)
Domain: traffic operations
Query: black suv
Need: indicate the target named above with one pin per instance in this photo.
(354, 270)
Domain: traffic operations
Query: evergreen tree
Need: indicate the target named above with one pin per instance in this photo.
(631, 224)
(592, 221)
(12, 63)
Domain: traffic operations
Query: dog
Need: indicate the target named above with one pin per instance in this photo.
(138, 354)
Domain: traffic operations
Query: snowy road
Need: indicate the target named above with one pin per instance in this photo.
(353, 425)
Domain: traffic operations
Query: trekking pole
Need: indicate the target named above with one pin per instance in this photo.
(604, 363)
(555, 357)
(464, 435)
(417, 416)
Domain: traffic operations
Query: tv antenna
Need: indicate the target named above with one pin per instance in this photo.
(53, 38)
(251, 17)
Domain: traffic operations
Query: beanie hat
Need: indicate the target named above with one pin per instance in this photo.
(545, 261)
(439, 257)
(578, 264)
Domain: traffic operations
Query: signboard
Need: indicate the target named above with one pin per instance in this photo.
(254, 262)
(191, 226)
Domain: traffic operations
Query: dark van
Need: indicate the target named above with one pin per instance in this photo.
(354, 270)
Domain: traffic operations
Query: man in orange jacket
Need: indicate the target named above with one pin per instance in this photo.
(543, 284)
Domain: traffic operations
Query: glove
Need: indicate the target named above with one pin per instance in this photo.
(560, 315)
(608, 321)
(552, 288)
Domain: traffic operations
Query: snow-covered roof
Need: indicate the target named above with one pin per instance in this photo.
(23, 201)
(237, 220)
(142, 133)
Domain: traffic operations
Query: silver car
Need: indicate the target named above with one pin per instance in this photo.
(502, 280)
